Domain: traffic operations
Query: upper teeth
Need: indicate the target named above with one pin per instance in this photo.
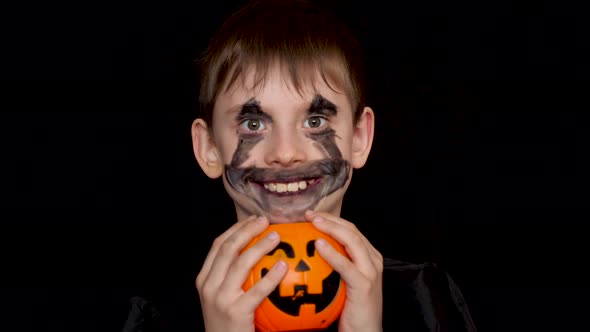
(284, 187)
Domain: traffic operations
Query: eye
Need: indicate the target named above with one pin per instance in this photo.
(286, 248)
(314, 122)
(310, 248)
(252, 125)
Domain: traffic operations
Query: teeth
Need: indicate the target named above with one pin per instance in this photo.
(281, 187)
(287, 187)
(293, 186)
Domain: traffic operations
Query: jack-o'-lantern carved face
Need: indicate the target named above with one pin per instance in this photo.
(311, 295)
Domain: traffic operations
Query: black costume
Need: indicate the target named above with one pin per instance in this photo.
(416, 298)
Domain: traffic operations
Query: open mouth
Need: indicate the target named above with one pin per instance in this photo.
(292, 304)
(292, 187)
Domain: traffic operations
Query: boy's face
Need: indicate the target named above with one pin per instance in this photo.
(283, 152)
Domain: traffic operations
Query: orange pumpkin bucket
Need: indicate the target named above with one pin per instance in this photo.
(311, 295)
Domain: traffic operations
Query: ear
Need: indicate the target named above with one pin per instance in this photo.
(205, 150)
(362, 139)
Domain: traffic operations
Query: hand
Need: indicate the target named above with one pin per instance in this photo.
(362, 273)
(226, 306)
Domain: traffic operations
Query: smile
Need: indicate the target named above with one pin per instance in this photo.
(292, 304)
(289, 187)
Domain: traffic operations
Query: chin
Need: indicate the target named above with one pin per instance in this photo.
(284, 208)
(285, 216)
(281, 219)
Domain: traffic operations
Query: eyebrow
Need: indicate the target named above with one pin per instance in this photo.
(321, 105)
(252, 108)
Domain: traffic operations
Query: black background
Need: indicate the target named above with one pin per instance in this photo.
(479, 160)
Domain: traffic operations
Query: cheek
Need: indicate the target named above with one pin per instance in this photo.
(345, 148)
(344, 143)
(226, 144)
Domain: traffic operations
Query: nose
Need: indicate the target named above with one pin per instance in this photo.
(286, 148)
(302, 267)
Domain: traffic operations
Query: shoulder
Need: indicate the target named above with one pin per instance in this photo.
(173, 310)
(422, 297)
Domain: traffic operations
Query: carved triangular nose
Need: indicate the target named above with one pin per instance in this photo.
(302, 267)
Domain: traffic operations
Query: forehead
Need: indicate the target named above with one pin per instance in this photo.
(282, 84)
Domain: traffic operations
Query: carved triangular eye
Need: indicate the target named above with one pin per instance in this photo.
(285, 247)
(310, 248)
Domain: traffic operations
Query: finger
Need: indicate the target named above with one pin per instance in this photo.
(351, 275)
(375, 255)
(219, 240)
(238, 272)
(343, 222)
(357, 246)
(313, 214)
(229, 250)
(310, 215)
(255, 295)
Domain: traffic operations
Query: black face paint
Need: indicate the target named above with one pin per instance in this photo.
(322, 177)
(251, 110)
(321, 105)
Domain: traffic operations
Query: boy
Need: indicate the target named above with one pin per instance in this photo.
(284, 123)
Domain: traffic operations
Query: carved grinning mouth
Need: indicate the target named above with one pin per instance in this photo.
(292, 304)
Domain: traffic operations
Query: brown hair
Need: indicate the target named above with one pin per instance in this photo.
(300, 36)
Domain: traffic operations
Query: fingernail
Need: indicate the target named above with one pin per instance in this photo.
(318, 219)
(259, 220)
(273, 235)
(281, 266)
(321, 242)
